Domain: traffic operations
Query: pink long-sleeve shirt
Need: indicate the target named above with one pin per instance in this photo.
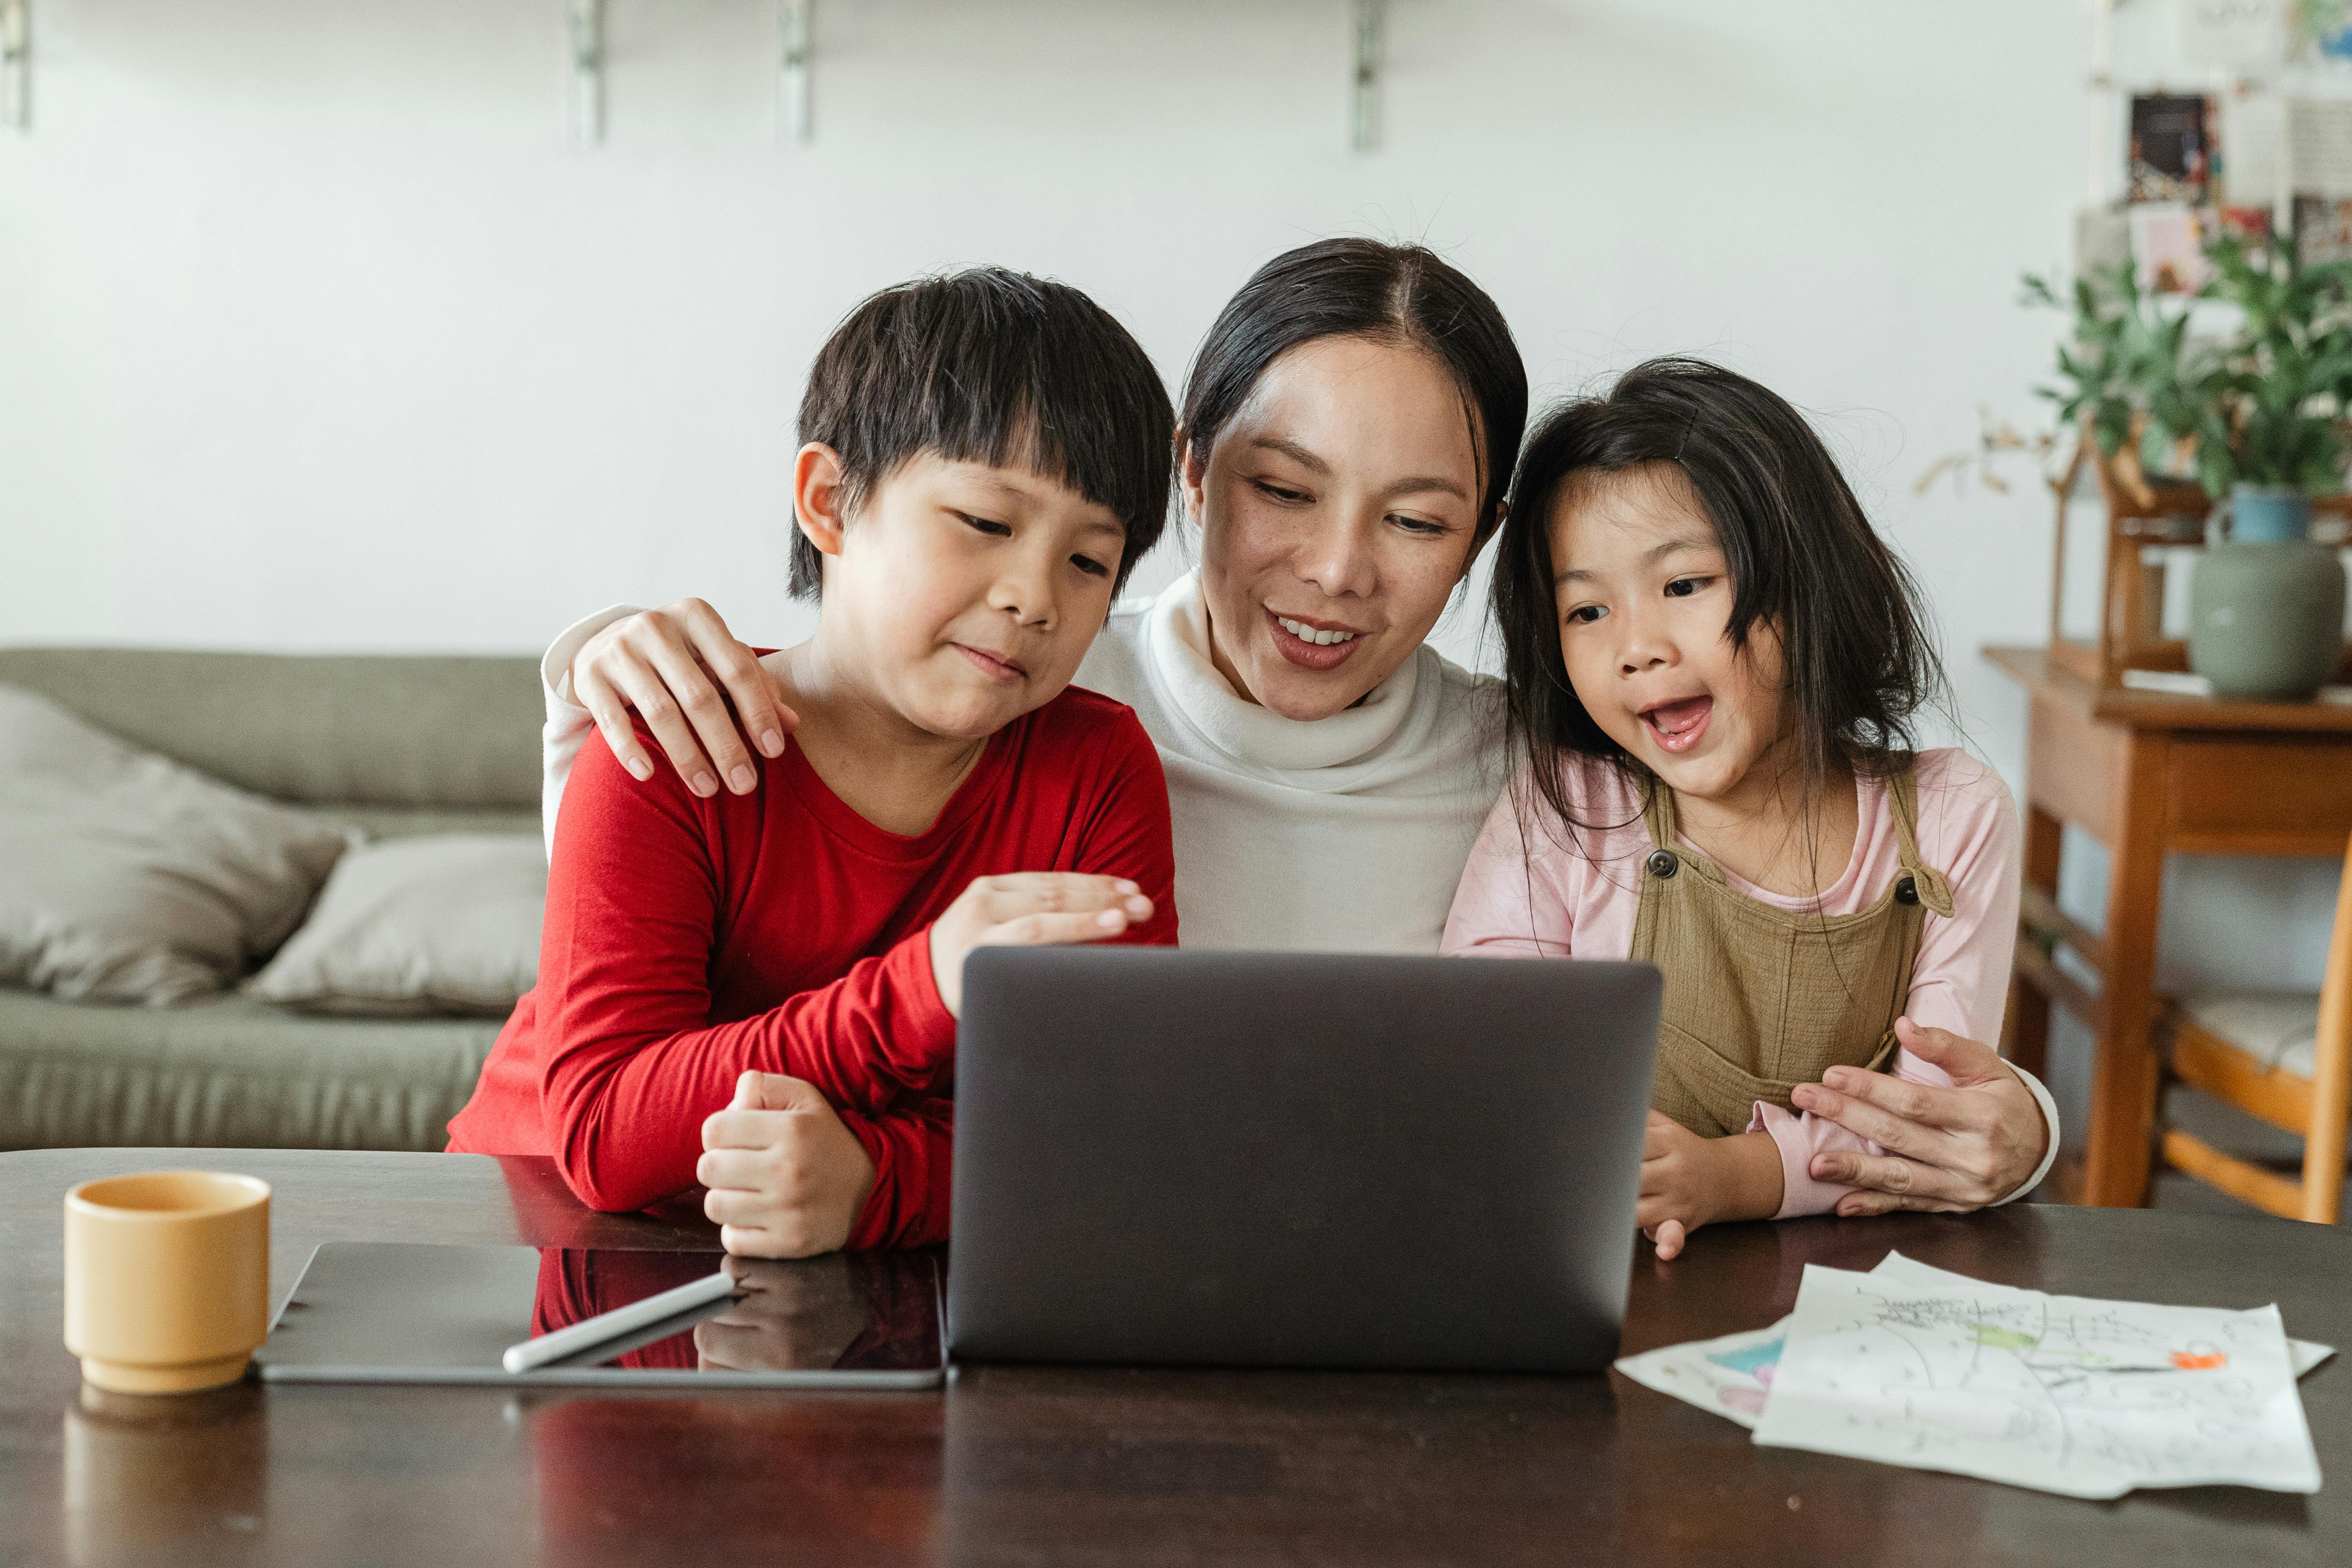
(1576, 896)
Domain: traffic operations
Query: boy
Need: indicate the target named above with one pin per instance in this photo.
(984, 458)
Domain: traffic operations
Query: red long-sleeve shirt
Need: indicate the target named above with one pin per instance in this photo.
(689, 940)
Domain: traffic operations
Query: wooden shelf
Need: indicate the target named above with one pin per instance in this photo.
(2034, 667)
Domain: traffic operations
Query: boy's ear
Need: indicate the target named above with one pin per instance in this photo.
(817, 496)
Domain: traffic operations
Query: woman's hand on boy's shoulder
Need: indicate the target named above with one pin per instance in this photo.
(678, 666)
(1947, 1149)
(787, 1178)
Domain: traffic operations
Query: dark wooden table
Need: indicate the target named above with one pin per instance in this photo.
(2147, 774)
(1040, 1465)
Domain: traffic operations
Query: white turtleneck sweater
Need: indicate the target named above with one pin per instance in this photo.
(1345, 834)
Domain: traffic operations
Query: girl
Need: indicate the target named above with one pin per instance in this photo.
(1713, 665)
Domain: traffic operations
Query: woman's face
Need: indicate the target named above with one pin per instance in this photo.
(1644, 594)
(1338, 509)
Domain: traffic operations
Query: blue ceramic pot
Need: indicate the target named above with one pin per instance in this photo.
(2269, 514)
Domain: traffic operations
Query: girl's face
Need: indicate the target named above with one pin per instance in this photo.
(1644, 596)
(1338, 509)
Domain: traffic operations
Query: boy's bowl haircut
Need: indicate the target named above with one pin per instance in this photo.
(997, 367)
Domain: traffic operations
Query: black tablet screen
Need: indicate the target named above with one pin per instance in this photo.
(396, 1312)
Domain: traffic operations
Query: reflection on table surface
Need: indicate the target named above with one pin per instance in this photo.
(869, 1312)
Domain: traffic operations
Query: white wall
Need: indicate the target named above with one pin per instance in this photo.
(313, 333)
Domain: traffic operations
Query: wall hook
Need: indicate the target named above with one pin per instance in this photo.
(793, 118)
(587, 72)
(16, 63)
(1364, 118)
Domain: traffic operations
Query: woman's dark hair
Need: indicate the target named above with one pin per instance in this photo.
(1805, 562)
(1403, 294)
(996, 367)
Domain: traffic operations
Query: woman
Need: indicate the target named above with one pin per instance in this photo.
(1348, 435)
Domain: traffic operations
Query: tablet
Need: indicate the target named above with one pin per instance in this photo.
(391, 1313)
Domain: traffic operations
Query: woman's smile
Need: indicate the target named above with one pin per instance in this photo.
(1312, 644)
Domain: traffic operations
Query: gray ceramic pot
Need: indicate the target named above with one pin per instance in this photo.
(2266, 619)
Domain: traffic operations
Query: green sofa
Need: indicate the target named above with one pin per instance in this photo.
(392, 745)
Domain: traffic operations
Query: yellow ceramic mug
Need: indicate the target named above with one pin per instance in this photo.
(167, 1280)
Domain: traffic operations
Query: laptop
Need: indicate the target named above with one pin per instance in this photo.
(1255, 1159)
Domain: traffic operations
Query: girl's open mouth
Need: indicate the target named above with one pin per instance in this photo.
(1679, 725)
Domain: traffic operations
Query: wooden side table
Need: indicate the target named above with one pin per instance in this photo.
(2149, 773)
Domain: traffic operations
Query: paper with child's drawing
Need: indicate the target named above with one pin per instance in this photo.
(2058, 1393)
(1729, 1376)
(1732, 1375)
(2304, 1354)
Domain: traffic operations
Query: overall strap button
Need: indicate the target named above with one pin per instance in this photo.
(1907, 891)
(1662, 863)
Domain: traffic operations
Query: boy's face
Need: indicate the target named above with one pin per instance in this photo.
(967, 594)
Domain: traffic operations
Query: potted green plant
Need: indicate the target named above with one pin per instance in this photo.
(2267, 411)
(2122, 371)
(2258, 420)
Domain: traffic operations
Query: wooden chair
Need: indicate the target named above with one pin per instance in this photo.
(2285, 1058)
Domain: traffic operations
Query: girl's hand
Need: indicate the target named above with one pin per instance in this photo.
(670, 665)
(1689, 1180)
(1674, 1184)
(1029, 908)
(1947, 1149)
(786, 1178)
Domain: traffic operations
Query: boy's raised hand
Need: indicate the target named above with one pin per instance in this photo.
(786, 1178)
(670, 665)
(1029, 908)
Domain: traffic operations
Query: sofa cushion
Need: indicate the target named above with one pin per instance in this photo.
(125, 877)
(419, 731)
(2280, 1029)
(227, 1071)
(373, 823)
(446, 924)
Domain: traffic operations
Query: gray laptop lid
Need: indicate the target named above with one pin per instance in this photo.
(1302, 1159)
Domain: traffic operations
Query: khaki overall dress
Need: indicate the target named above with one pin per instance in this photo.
(1759, 999)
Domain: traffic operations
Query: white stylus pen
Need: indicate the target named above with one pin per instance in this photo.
(574, 1338)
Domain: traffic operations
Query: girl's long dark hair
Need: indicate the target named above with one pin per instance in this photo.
(1387, 293)
(1804, 561)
